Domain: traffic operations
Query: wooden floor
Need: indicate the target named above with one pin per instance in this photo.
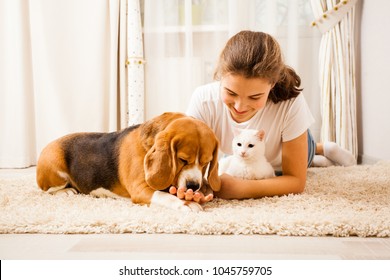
(179, 246)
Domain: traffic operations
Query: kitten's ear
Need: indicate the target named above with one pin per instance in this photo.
(236, 131)
(261, 135)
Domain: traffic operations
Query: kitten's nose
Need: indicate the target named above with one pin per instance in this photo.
(243, 154)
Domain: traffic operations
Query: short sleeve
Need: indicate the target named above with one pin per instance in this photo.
(204, 104)
(298, 119)
(195, 107)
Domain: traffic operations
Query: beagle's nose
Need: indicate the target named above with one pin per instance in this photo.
(192, 185)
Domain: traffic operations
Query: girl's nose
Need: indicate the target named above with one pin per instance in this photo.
(239, 106)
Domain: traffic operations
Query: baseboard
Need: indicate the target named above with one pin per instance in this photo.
(365, 159)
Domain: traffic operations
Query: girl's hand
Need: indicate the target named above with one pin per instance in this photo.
(230, 189)
(190, 195)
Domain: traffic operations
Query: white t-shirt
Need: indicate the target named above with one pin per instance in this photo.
(281, 122)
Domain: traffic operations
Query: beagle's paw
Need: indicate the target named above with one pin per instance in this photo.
(173, 202)
(62, 190)
(193, 206)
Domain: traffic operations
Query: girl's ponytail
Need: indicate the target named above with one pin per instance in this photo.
(287, 87)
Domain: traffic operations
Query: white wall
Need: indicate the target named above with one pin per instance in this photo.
(373, 73)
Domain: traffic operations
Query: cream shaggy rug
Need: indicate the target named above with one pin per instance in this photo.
(338, 201)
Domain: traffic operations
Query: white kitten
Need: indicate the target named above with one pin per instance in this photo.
(248, 160)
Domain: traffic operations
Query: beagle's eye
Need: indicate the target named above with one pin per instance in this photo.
(185, 162)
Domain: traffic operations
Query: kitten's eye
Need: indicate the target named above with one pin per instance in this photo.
(251, 145)
(239, 144)
(185, 162)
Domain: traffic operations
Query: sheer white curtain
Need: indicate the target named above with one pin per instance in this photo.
(60, 72)
(336, 19)
(183, 39)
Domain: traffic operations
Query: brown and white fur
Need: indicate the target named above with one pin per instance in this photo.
(140, 162)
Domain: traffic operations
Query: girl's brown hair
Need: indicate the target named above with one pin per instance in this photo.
(258, 55)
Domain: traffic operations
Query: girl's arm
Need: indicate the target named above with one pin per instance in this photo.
(293, 180)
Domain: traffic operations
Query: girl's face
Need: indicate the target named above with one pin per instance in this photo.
(244, 96)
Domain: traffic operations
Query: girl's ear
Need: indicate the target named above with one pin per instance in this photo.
(236, 131)
(261, 135)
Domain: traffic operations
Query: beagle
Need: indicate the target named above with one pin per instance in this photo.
(140, 162)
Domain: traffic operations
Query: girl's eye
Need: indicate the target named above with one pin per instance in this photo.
(251, 145)
(257, 96)
(230, 93)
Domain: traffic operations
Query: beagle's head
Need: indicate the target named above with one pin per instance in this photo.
(184, 153)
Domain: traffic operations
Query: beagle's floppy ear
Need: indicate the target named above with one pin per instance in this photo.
(152, 127)
(213, 178)
(159, 163)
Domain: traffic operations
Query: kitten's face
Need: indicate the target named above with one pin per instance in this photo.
(249, 144)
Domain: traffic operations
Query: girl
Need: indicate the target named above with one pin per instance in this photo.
(256, 90)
